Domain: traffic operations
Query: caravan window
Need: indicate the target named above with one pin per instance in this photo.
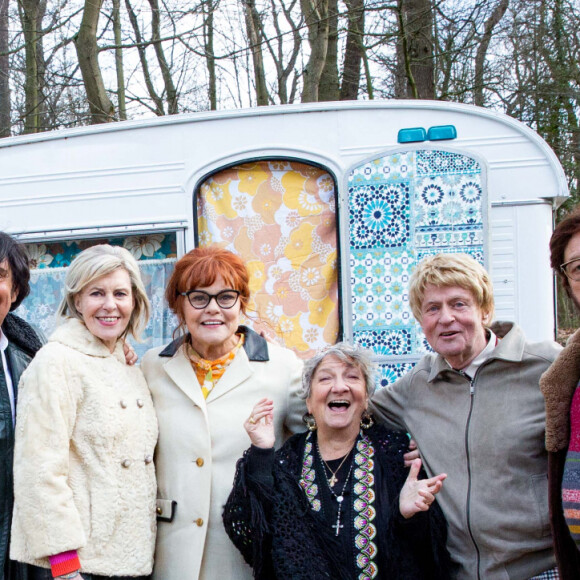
(156, 253)
(280, 216)
(401, 207)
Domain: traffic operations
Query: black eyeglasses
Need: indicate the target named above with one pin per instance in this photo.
(571, 269)
(199, 299)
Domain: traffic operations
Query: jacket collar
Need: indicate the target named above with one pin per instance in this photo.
(256, 346)
(74, 334)
(21, 334)
(180, 371)
(510, 348)
(558, 385)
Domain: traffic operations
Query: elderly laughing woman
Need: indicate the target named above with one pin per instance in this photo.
(335, 502)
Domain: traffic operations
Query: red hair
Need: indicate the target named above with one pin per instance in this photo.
(200, 268)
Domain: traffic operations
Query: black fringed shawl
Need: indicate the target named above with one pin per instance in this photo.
(272, 523)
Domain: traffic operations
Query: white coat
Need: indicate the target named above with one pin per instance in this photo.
(200, 442)
(83, 461)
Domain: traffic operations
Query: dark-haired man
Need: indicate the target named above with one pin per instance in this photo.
(18, 344)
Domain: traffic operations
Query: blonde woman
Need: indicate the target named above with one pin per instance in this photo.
(86, 432)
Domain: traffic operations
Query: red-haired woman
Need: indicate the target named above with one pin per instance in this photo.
(204, 385)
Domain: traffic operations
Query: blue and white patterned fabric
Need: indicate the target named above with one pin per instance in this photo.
(402, 207)
(156, 256)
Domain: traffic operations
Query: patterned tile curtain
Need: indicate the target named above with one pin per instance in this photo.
(280, 217)
(403, 207)
(156, 254)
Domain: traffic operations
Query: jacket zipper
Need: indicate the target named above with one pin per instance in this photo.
(468, 506)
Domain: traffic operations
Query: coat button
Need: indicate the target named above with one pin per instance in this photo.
(123, 404)
(140, 403)
(159, 511)
(199, 522)
(126, 463)
(199, 462)
(148, 459)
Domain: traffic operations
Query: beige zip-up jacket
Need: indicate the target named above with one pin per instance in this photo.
(487, 434)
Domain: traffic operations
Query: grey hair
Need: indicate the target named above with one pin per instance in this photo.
(351, 355)
(98, 261)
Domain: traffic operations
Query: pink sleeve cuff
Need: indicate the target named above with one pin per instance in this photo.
(64, 563)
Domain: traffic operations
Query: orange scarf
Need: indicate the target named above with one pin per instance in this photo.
(209, 372)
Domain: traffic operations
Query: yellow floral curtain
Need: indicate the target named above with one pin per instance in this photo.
(280, 216)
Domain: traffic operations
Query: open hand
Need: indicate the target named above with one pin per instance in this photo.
(417, 495)
(260, 424)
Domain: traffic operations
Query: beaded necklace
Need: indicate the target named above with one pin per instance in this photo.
(330, 482)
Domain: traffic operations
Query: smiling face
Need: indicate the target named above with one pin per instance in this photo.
(338, 395)
(106, 305)
(212, 329)
(453, 324)
(7, 293)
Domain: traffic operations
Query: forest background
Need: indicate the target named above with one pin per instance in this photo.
(65, 63)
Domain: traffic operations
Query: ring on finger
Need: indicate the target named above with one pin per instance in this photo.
(252, 420)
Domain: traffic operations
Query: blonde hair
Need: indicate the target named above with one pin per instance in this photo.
(444, 270)
(98, 261)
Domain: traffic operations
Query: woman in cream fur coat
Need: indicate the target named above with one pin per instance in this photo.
(86, 432)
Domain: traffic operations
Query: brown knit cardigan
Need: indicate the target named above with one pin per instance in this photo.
(558, 385)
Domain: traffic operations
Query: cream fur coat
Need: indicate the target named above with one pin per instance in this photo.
(83, 472)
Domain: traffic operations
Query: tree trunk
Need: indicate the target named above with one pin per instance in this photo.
(119, 61)
(31, 15)
(159, 108)
(208, 32)
(255, 39)
(329, 89)
(353, 53)
(315, 14)
(415, 62)
(101, 107)
(5, 109)
(170, 90)
(490, 24)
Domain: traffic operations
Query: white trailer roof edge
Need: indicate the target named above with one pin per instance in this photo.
(290, 110)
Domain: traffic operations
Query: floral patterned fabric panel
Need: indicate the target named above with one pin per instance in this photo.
(156, 254)
(280, 217)
(403, 207)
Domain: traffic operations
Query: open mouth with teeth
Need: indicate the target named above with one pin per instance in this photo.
(108, 319)
(339, 406)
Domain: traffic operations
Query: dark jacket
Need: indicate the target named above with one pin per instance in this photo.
(23, 343)
(558, 385)
(281, 536)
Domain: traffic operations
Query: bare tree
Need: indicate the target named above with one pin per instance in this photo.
(490, 24)
(329, 86)
(31, 15)
(170, 90)
(253, 27)
(5, 108)
(101, 107)
(415, 50)
(354, 51)
(316, 17)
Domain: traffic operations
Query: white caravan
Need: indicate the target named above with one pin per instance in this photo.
(330, 204)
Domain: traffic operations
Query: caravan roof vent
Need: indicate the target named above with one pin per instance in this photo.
(412, 135)
(442, 132)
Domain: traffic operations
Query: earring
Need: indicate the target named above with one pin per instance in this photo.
(310, 421)
(366, 420)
